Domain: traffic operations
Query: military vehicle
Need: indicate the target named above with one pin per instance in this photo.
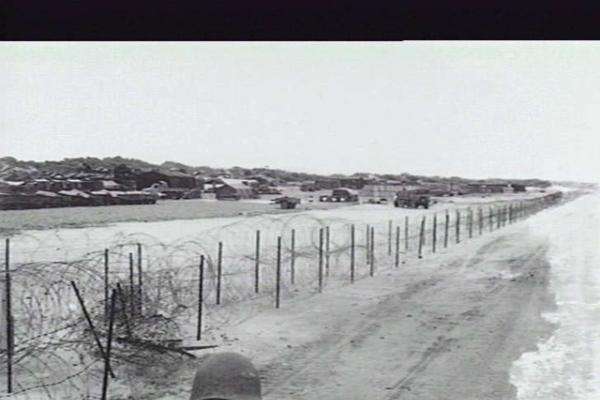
(340, 195)
(411, 199)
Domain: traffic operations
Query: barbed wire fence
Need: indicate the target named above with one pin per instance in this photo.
(55, 318)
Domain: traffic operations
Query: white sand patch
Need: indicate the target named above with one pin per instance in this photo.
(567, 365)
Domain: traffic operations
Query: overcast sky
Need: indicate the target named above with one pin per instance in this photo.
(503, 109)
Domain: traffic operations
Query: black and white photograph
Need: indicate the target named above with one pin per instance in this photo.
(288, 220)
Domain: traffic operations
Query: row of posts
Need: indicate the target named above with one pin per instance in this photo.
(502, 216)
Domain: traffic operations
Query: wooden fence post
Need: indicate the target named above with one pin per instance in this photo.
(421, 237)
(200, 297)
(320, 260)
(124, 309)
(397, 260)
(480, 221)
(108, 346)
(457, 226)
(278, 272)
(91, 325)
(219, 271)
(106, 290)
(293, 258)
(498, 221)
(372, 252)
(491, 219)
(132, 291)
(406, 234)
(390, 227)
(434, 234)
(9, 318)
(257, 262)
(368, 244)
(352, 234)
(470, 223)
(446, 227)
(140, 279)
(327, 255)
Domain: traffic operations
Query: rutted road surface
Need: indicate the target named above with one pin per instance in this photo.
(449, 326)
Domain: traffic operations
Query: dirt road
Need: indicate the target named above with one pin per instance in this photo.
(446, 327)
(511, 314)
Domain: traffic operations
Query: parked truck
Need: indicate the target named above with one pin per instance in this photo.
(411, 199)
(340, 195)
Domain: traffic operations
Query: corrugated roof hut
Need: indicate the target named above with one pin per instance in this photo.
(233, 189)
